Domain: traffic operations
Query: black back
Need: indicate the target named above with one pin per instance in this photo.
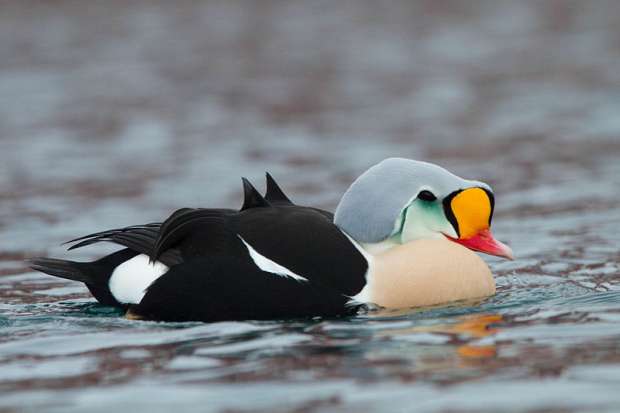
(219, 280)
(212, 275)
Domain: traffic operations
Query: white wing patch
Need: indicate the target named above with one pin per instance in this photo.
(268, 265)
(129, 281)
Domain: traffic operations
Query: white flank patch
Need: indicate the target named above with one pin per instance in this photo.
(130, 280)
(268, 265)
(364, 296)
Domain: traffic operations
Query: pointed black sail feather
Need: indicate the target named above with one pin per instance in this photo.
(274, 192)
(251, 197)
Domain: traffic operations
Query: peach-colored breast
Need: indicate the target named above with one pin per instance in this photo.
(428, 272)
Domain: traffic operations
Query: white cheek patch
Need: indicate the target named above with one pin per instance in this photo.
(130, 280)
(268, 265)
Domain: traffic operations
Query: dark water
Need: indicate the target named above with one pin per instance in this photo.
(114, 114)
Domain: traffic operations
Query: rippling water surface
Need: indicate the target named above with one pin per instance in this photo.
(116, 113)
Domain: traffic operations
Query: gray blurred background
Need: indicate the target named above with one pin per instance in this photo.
(115, 113)
(123, 111)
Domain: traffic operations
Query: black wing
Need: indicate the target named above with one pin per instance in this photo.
(195, 233)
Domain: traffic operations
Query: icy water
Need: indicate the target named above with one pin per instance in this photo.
(116, 113)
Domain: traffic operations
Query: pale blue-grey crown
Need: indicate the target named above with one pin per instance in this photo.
(371, 207)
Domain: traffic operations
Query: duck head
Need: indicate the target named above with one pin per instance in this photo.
(402, 200)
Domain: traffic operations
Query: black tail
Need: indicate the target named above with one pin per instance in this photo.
(95, 275)
(69, 270)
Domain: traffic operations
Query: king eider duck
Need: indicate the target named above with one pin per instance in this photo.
(402, 236)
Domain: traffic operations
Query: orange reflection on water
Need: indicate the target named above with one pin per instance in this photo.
(477, 326)
(464, 334)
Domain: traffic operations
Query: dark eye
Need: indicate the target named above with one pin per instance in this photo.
(427, 196)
